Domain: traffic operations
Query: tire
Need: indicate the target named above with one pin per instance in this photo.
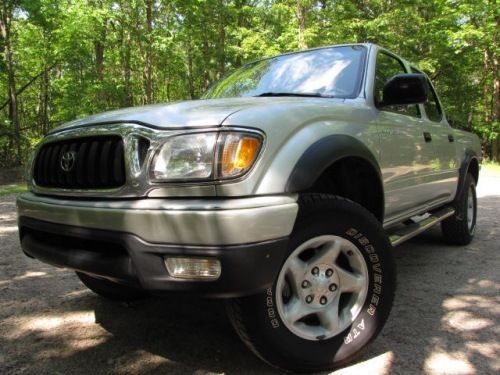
(111, 290)
(266, 322)
(459, 229)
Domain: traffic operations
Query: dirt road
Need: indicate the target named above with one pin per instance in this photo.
(445, 319)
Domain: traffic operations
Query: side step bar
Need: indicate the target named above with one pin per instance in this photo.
(401, 235)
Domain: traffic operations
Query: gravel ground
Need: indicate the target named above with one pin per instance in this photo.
(445, 319)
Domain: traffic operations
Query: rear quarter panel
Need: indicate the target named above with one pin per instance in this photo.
(466, 142)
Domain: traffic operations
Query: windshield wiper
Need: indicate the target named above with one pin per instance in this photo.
(304, 94)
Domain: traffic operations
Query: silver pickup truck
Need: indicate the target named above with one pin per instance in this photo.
(284, 190)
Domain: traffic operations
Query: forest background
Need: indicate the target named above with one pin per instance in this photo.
(64, 59)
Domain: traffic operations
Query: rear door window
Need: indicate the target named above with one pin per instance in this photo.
(431, 106)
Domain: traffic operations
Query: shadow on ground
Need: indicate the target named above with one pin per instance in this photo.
(445, 317)
(447, 307)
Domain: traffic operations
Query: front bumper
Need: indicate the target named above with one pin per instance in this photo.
(126, 241)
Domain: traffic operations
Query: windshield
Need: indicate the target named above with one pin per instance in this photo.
(330, 72)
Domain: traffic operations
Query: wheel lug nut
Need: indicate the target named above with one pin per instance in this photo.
(323, 300)
(315, 271)
(329, 272)
(309, 298)
(306, 284)
(333, 287)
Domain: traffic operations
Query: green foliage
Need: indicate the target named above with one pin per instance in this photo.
(12, 189)
(93, 55)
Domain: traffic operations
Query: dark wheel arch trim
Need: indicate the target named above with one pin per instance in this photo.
(470, 157)
(323, 154)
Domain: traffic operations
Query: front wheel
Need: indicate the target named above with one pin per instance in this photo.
(332, 295)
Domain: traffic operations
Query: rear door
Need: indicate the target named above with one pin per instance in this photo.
(444, 163)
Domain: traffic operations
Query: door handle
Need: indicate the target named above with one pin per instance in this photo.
(451, 138)
(427, 136)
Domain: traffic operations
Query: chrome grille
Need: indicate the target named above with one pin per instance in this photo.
(81, 163)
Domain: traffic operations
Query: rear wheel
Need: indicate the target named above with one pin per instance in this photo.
(459, 229)
(332, 295)
(111, 290)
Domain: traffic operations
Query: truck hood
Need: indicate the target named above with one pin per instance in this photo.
(187, 114)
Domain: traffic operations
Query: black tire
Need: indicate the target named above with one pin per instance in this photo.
(111, 290)
(257, 320)
(457, 229)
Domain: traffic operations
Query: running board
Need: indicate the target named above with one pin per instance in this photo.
(401, 235)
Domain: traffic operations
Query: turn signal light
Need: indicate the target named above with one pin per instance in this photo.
(238, 154)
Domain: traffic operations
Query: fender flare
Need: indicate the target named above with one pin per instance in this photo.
(470, 156)
(324, 153)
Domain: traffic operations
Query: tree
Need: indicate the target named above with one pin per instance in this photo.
(64, 59)
(6, 14)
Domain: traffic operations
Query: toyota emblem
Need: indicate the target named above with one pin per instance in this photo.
(68, 161)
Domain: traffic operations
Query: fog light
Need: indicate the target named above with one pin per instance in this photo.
(193, 268)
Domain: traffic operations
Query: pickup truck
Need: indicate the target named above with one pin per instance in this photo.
(283, 190)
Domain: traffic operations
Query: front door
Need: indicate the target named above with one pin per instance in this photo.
(405, 151)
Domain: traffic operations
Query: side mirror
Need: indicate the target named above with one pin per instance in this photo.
(403, 89)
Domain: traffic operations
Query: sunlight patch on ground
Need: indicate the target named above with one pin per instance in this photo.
(468, 301)
(448, 363)
(488, 185)
(466, 321)
(380, 364)
(9, 229)
(8, 216)
(491, 351)
(467, 316)
(48, 322)
(75, 293)
(30, 274)
(138, 362)
(69, 347)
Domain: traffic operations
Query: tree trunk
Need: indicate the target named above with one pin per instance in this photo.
(5, 23)
(301, 17)
(495, 151)
(221, 55)
(167, 83)
(189, 56)
(125, 46)
(99, 59)
(240, 23)
(148, 68)
(99, 47)
(129, 99)
(495, 110)
(43, 117)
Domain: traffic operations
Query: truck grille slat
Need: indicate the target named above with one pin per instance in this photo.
(81, 163)
(60, 175)
(104, 170)
(53, 167)
(42, 157)
(45, 165)
(118, 166)
(91, 163)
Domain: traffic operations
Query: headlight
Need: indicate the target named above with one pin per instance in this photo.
(185, 157)
(206, 156)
